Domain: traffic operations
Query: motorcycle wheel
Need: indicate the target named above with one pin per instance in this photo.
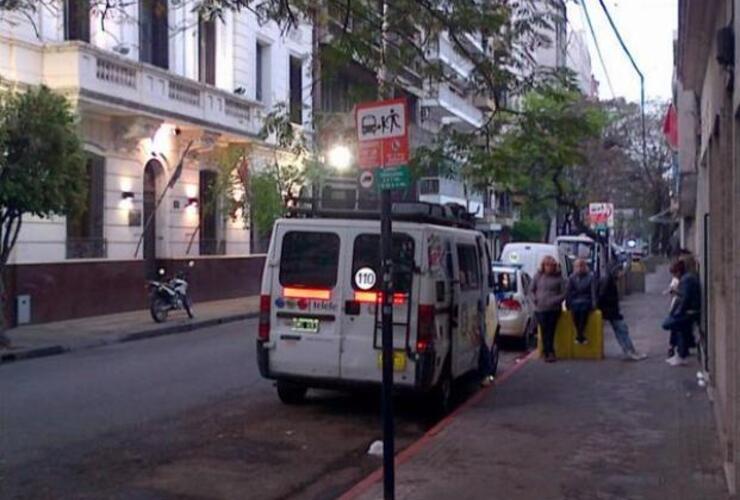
(188, 305)
(159, 310)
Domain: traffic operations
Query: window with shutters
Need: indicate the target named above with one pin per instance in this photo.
(85, 228)
(296, 90)
(77, 20)
(259, 71)
(154, 33)
(207, 51)
(211, 216)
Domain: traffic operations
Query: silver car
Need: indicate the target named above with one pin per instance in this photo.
(515, 306)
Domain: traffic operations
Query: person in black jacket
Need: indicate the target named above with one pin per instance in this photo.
(580, 297)
(685, 311)
(609, 305)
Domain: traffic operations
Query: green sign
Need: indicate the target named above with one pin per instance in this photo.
(393, 177)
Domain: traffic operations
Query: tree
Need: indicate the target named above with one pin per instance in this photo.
(42, 167)
(540, 152)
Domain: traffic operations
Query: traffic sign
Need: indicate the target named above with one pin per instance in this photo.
(382, 133)
(367, 179)
(601, 215)
(394, 178)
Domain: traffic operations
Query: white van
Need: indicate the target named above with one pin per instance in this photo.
(529, 255)
(320, 325)
(583, 247)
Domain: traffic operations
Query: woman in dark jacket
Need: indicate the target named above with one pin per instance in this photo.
(548, 292)
(609, 305)
(581, 297)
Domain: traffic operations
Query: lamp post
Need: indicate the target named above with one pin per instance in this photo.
(339, 158)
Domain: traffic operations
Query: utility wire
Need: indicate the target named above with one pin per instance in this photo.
(642, 77)
(598, 49)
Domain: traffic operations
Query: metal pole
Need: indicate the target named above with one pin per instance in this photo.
(637, 69)
(386, 233)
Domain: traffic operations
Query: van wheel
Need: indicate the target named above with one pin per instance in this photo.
(290, 393)
(441, 397)
(525, 342)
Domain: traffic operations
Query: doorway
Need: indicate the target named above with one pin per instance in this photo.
(152, 171)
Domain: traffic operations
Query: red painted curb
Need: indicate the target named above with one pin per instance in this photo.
(415, 447)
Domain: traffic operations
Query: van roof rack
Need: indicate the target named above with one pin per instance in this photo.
(450, 214)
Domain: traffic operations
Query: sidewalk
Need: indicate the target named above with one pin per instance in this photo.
(576, 430)
(47, 339)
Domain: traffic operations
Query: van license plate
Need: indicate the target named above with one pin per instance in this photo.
(309, 325)
(399, 361)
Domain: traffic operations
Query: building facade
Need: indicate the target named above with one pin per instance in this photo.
(153, 84)
(707, 198)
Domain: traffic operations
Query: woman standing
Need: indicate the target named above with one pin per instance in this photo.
(548, 292)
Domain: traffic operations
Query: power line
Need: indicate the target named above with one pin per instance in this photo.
(598, 49)
(634, 65)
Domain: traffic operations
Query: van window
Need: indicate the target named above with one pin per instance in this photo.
(309, 259)
(469, 267)
(367, 254)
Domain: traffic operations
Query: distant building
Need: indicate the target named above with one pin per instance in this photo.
(579, 61)
(145, 83)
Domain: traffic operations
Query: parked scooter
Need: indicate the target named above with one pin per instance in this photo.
(169, 295)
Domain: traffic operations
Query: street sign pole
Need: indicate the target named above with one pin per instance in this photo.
(386, 258)
(382, 133)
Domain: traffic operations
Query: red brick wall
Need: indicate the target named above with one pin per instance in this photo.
(76, 289)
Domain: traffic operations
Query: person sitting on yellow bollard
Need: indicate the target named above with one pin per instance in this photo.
(581, 297)
(548, 292)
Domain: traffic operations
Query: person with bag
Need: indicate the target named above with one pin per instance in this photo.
(548, 292)
(609, 305)
(581, 297)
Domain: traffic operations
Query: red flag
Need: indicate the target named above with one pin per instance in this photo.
(670, 127)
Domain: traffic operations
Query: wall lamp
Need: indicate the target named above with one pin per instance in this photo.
(127, 200)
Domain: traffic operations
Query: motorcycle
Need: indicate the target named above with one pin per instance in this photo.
(169, 295)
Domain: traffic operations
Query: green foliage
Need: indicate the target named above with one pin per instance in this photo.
(541, 150)
(527, 229)
(42, 166)
(267, 201)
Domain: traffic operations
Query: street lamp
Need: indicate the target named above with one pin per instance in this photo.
(339, 157)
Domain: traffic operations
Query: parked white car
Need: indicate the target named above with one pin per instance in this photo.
(515, 305)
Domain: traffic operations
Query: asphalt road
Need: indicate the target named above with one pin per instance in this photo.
(181, 416)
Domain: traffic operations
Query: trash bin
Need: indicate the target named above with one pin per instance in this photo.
(636, 281)
(23, 309)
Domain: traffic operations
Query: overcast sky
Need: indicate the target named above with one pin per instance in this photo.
(647, 28)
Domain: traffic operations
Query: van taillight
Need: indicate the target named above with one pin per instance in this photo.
(263, 332)
(511, 304)
(425, 330)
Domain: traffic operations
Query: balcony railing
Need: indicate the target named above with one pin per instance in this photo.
(110, 79)
(444, 51)
(454, 105)
(87, 248)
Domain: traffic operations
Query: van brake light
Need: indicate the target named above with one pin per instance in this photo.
(425, 329)
(306, 293)
(263, 331)
(375, 297)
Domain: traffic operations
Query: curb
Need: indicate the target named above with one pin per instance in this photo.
(414, 448)
(53, 350)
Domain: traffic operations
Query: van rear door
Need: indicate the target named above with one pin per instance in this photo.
(305, 298)
(361, 335)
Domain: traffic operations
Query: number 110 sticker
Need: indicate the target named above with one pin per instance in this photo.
(365, 278)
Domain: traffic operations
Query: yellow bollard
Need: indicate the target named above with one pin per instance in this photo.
(565, 338)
